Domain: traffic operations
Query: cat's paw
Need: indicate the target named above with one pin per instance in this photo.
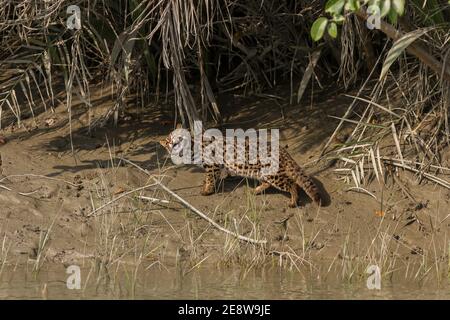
(293, 204)
(206, 192)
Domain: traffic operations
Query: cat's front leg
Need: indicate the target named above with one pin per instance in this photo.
(260, 189)
(212, 175)
(208, 185)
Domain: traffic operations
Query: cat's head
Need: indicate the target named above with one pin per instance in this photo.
(174, 141)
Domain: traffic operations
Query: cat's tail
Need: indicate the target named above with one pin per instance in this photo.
(307, 184)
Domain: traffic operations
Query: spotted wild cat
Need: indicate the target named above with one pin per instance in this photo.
(290, 177)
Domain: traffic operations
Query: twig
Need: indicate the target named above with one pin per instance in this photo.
(397, 142)
(25, 194)
(38, 176)
(119, 197)
(375, 104)
(153, 199)
(439, 181)
(415, 163)
(193, 209)
(362, 190)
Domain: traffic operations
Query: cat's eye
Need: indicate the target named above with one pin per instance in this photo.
(177, 142)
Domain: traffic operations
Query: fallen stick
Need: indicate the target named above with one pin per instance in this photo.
(37, 176)
(193, 209)
(415, 162)
(153, 199)
(25, 194)
(119, 197)
(431, 177)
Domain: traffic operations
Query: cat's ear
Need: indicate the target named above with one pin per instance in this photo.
(179, 126)
(163, 143)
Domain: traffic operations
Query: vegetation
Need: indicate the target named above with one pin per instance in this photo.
(147, 48)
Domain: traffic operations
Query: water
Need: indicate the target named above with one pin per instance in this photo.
(205, 284)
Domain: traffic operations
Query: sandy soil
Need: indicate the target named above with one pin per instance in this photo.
(47, 193)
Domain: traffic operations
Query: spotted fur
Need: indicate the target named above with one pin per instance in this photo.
(290, 177)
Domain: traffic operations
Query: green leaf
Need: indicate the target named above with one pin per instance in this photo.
(398, 47)
(332, 30)
(352, 5)
(385, 8)
(399, 6)
(334, 6)
(318, 28)
(392, 15)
